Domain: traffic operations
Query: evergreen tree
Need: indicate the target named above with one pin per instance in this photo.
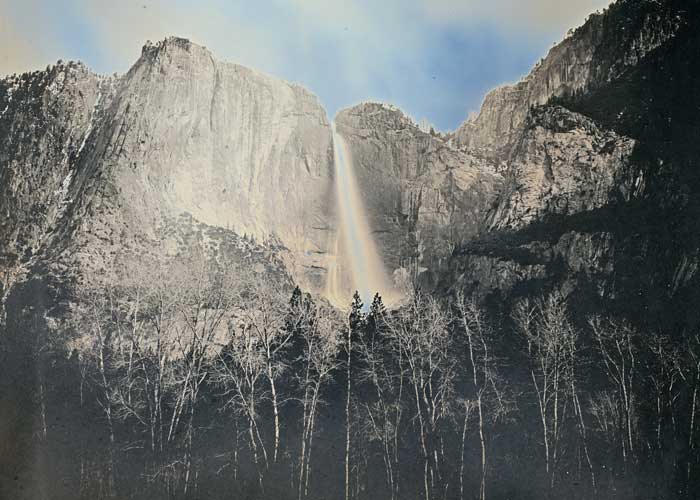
(375, 318)
(299, 318)
(296, 298)
(356, 322)
(357, 317)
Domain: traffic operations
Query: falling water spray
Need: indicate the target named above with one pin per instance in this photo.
(358, 265)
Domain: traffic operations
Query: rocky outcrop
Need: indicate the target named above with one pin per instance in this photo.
(562, 173)
(423, 196)
(601, 170)
(590, 57)
(45, 120)
(563, 164)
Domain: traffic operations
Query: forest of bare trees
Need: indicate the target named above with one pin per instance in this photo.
(191, 379)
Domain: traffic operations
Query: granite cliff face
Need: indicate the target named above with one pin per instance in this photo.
(563, 164)
(424, 197)
(600, 188)
(181, 149)
(591, 57)
(572, 178)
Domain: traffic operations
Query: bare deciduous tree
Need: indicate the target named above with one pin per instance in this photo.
(263, 310)
(421, 332)
(92, 318)
(552, 353)
(618, 344)
(319, 331)
(488, 391)
(381, 369)
(240, 369)
(665, 375)
(690, 374)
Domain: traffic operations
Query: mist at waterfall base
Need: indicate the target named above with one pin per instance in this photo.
(358, 265)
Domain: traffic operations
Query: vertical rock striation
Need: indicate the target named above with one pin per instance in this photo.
(45, 120)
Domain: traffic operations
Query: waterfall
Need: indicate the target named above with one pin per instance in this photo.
(357, 265)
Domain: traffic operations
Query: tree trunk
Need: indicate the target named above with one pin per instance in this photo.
(347, 415)
(275, 411)
(691, 430)
(461, 462)
(482, 440)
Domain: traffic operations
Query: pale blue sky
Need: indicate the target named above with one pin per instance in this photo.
(435, 59)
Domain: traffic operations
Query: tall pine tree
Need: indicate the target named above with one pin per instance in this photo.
(356, 322)
(375, 318)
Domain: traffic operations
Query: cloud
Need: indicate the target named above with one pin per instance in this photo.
(434, 58)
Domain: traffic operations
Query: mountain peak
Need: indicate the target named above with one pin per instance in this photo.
(369, 114)
(171, 44)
